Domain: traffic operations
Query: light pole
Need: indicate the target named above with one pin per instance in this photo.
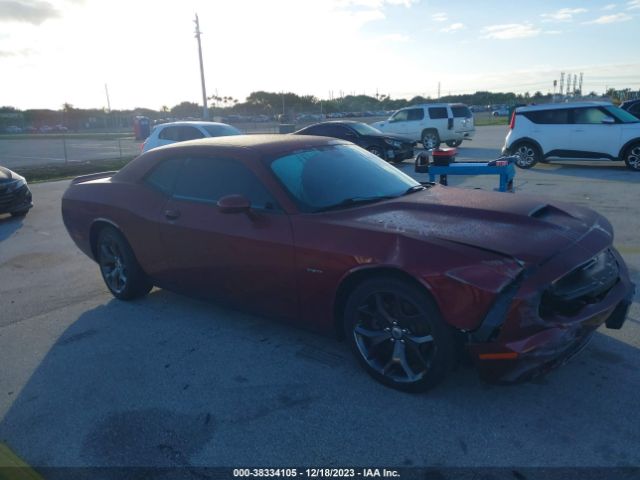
(205, 109)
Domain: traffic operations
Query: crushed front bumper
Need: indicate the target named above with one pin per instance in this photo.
(545, 347)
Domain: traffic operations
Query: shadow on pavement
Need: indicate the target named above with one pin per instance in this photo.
(9, 225)
(169, 381)
(596, 170)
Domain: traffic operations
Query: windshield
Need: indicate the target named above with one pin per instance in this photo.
(364, 129)
(221, 130)
(322, 177)
(622, 115)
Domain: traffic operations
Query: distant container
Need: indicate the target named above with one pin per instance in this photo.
(141, 127)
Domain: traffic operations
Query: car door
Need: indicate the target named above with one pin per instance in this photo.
(397, 123)
(415, 123)
(551, 128)
(245, 259)
(595, 133)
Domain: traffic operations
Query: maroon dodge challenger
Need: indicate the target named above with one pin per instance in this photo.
(321, 233)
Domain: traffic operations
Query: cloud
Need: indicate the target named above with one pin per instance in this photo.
(606, 19)
(18, 53)
(510, 31)
(562, 15)
(439, 17)
(28, 11)
(609, 6)
(375, 4)
(395, 37)
(633, 5)
(454, 27)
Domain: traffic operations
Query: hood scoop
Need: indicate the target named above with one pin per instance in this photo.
(548, 212)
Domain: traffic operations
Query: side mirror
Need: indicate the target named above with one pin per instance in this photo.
(608, 121)
(234, 204)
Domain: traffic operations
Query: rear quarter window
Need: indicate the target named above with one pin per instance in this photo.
(461, 111)
(436, 113)
(163, 177)
(170, 133)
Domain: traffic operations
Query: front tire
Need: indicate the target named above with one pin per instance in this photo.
(377, 151)
(119, 268)
(398, 335)
(430, 139)
(632, 157)
(528, 154)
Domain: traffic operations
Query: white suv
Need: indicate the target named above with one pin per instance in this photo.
(592, 130)
(173, 132)
(431, 124)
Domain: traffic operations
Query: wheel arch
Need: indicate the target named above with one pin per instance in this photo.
(626, 146)
(354, 278)
(528, 139)
(94, 231)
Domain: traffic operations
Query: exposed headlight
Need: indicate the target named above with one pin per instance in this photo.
(393, 143)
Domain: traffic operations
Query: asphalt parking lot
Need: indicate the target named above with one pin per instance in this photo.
(88, 380)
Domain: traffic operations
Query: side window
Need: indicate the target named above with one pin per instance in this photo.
(163, 177)
(400, 116)
(207, 179)
(549, 117)
(436, 113)
(590, 115)
(635, 109)
(170, 133)
(415, 114)
(190, 133)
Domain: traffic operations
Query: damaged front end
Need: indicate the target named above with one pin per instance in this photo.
(549, 313)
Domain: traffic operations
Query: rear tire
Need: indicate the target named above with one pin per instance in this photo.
(119, 268)
(528, 154)
(632, 157)
(454, 143)
(398, 335)
(430, 139)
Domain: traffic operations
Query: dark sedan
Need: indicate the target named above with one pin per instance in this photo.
(388, 147)
(323, 234)
(15, 196)
(632, 106)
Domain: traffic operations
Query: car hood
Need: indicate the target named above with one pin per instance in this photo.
(525, 228)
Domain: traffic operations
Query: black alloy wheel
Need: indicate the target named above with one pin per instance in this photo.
(632, 157)
(120, 269)
(398, 335)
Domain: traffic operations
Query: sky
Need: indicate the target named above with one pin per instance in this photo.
(65, 51)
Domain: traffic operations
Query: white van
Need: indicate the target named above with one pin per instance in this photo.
(431, 124)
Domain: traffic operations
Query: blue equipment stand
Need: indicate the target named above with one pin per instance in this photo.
(506, 172)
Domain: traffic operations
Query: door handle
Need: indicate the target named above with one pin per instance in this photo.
(172, 214)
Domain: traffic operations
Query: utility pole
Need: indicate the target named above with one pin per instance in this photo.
(205, 109)
(106, 89)
(438, 90)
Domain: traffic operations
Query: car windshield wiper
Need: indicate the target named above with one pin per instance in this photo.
(349, 202)
(415, 188)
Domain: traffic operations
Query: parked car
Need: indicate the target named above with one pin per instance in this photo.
(431, 124)
(15, 196)
(582, 130)
(388, 147)
(321, 233)
(173, 132)
(632, 106)
(500, 112)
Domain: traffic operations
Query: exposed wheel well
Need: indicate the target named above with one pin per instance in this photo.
(429, 130)
(350, 283)
(626, 146)
(94, 232)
